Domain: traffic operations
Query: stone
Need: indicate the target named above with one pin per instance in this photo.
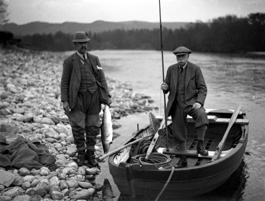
(34, 183)
(72, 165)
(41, 189)
(22, 198)
(98, 186)
(85, 185)
(23, 171)
(70, 139)
(36, 198)
(25, 185)
(19, 110)
(71, 150)
(65, 192)
(47, 120)
(5, 198)
(55, 193)
(54, 181)
(28, 178)
(14, 191)
(44, 171)
(63, 185)
(35, 171)
(72, 183)
(93, 171)
(28, 117)
(2, 187)
(81, 170)
(82, 194)
(18, 180)
(6, 178)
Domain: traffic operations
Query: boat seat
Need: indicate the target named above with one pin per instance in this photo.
(214, 119)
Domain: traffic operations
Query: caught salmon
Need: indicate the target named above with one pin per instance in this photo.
(106, 129)
(107, 193)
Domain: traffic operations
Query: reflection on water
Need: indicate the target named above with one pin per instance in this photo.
(231, 190)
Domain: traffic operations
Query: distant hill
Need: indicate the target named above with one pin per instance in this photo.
(94, 27)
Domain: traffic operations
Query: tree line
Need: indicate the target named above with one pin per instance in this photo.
(224, 34)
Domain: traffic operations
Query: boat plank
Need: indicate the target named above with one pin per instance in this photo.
(192, 162)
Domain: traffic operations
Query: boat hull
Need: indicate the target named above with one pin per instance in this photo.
(143, 180)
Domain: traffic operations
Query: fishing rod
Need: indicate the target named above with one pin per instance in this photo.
(163, 74)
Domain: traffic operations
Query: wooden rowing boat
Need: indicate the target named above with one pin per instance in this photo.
(138, 178)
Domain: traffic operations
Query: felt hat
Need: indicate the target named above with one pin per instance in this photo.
(181, 51)
(80, 37)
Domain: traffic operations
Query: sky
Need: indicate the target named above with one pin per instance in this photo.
(88, 11)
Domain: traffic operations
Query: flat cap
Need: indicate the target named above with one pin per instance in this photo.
(181, 50)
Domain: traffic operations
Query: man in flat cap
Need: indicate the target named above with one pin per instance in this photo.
(83, 90)
(187, 92)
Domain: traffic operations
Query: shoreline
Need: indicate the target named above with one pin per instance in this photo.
(30, 106)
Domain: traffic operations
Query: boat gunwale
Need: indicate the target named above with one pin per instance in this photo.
(244, 127)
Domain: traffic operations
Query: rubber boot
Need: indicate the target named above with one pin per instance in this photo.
(91, 160)
(182, 162)
(200, 148)
(80, 158)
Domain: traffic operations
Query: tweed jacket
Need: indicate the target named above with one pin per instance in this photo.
(71, 77)
(195, 86)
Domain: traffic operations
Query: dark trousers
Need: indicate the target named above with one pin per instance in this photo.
(85, 121)
(179, 122)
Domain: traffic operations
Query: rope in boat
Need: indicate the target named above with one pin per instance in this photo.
(160, 161)
(157, 159)
(168, 180)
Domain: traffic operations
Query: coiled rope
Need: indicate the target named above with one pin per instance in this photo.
(157, 159)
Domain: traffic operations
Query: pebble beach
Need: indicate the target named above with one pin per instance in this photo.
(30, 108)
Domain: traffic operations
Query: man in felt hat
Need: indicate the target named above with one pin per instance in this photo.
(83, 86)
(187, 92)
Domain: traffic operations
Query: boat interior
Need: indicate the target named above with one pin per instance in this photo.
(218, 123)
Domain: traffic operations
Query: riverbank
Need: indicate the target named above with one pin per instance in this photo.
(30, 108)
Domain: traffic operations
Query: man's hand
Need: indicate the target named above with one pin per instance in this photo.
(109, 102)
(164, 86)
(66, 107)
(196, 106)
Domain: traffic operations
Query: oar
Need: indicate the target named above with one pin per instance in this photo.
(220, 146)
(153, 142)
(122, 147)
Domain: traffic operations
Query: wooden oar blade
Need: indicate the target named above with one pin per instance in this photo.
(220, 146)
(154, 123)
(153, 142)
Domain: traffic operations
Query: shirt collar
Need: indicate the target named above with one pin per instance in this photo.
(81, 55)
(185, 65)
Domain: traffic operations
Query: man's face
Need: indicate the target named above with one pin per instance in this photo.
(182, 59)
(82, 47)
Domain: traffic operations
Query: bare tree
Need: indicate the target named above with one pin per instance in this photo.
(3, 12)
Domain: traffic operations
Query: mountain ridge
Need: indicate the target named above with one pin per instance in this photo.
(98, 26)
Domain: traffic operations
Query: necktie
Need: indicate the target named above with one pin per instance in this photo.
(181, 69)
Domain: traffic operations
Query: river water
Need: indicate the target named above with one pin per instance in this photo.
(232, 80)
